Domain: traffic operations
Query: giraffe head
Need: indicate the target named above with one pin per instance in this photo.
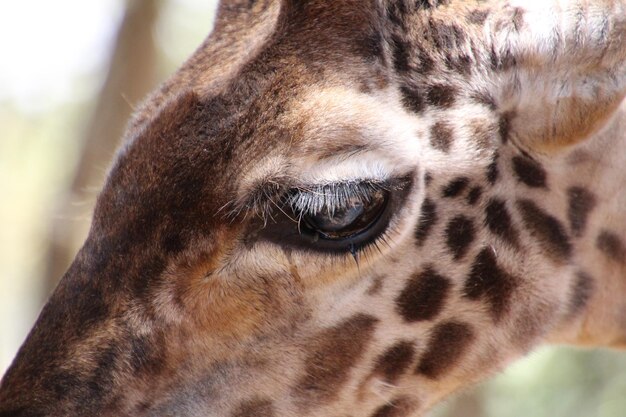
(347, 208)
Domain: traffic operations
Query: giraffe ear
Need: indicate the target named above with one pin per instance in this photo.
(561, 65)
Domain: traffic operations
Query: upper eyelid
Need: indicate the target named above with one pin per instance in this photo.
(335, 195)
(270, 194)
(346, 187)
(348, 182)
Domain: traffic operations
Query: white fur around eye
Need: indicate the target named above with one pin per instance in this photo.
(369, 166)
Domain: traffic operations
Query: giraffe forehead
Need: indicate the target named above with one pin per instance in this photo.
(334, 133)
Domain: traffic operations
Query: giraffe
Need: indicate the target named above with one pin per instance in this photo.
(348, 208)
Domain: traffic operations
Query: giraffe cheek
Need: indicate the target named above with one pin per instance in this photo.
(223, 309)
(235, 305)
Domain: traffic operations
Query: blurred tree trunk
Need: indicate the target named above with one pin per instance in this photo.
(132, 74)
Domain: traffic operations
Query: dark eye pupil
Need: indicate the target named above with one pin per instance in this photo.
(355, 217)
(340, 219)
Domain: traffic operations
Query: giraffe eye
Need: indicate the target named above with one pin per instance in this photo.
(335, 218)
(354, 217)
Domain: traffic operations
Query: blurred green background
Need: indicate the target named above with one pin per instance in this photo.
(71, 71)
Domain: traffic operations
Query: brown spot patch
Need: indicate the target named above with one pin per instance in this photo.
(611, 245)
(441, 136)
(548, 231)
(412, 99)
(460, 233)
(502, 60)
(425, 63)
(400, 49)
(396, 12)
(63, 383)
(477, 17)
(482, 133)
(428, 178)
(455, 187)
(492, 170)
(423, 297)
(485, 98)
(504, 125)
(398, 407)
(580, 203)
(257, 407)
(371, 46)
(498, 220)
(474, 195)
(376, 285)
(447, 345)
(461, 64)
(442, 95)
(428, 218)
(489, 282)
(529, 172)
(101, 382)
(445, 36)
(582, 290)
(394, 362)
(332, 354)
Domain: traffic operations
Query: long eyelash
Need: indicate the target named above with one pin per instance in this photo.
(331, 197)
